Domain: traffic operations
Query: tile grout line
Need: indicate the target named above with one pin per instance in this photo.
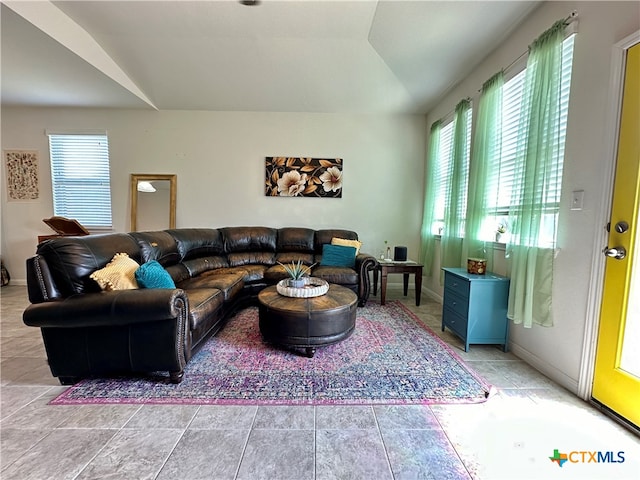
(384, 445)
(446, 434)
(246, 443)
(184, 431)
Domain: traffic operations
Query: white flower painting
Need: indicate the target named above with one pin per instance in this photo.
(303, 177)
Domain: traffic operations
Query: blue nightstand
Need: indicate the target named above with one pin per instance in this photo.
(474, 307)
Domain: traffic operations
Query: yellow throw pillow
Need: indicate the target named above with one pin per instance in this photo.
(347, 243)
(118, 274)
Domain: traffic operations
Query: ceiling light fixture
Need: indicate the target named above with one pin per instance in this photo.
(249, 3)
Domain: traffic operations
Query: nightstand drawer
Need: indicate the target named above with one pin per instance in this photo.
(455, 322)
(457, 285)
(455, 302)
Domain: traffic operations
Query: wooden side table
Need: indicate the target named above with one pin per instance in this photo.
(385, 267)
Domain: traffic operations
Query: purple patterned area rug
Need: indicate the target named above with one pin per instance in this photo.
(391, 358)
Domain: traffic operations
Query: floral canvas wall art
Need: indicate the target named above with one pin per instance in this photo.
(303, 177)
(21, 168)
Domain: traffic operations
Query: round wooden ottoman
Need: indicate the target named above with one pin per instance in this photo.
(307, 322)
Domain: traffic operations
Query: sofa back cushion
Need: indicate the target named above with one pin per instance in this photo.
(296, 240)
(249, 239)
(71, 260)
(159, 246)
(324, 237)
(250, 245)
(295, 244)
(198, 242)
(196, 266)
(251, 258)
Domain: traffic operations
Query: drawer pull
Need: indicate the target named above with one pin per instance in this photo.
(454, 303)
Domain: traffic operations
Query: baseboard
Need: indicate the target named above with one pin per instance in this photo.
(545, 368)
(18, 281)
(536, 362)
(432, 295)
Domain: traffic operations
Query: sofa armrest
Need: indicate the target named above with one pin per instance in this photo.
(364, 263)
(116, 308)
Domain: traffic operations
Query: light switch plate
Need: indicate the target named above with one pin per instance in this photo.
(577, 199)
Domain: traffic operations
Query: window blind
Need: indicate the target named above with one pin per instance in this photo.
(444, 172)
(500, 188)
(442, 168)
(80, 178)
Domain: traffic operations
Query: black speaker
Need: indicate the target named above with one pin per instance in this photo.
(400, 254)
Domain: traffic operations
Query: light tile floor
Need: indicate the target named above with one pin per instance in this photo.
(511, 436)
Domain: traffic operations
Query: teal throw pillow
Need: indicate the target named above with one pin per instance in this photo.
(338, 256)
(153, 275)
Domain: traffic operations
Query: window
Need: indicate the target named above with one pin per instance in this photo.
(443, 174)
(500, 187)
(80, 178)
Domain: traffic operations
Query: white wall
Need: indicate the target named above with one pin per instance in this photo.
(219, 159)
(557, 350)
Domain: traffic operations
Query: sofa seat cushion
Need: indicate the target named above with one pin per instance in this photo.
(203, 302)
(338, 275)
(275, 274)
(294, 257)
(250, 273)
(229, 283)
(251, 258)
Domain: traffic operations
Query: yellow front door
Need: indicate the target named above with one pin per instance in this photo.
(616, 382)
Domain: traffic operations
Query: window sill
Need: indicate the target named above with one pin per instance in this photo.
(495, 245)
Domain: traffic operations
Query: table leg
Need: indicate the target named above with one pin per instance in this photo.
(383, 286)
(405, 279)
(375, 282)
(418, 285)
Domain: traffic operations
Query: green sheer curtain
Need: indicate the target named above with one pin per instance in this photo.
(428, 239)
(485, 165)
(455, 207)
(530, 262)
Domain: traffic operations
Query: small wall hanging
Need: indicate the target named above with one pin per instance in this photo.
(303, 177)
(21, 167)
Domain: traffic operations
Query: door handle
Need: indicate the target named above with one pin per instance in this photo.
(616, 252)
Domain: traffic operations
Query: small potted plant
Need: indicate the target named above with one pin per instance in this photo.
(297, 271)
(502, 228)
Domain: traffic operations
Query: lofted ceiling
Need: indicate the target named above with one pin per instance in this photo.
(361, 56)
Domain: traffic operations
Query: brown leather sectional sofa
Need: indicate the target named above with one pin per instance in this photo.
(90, 332)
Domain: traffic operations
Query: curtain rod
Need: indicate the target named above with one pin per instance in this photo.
(450, 113)
(573, 16)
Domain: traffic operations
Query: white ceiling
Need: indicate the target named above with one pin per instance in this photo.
(291, 56)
